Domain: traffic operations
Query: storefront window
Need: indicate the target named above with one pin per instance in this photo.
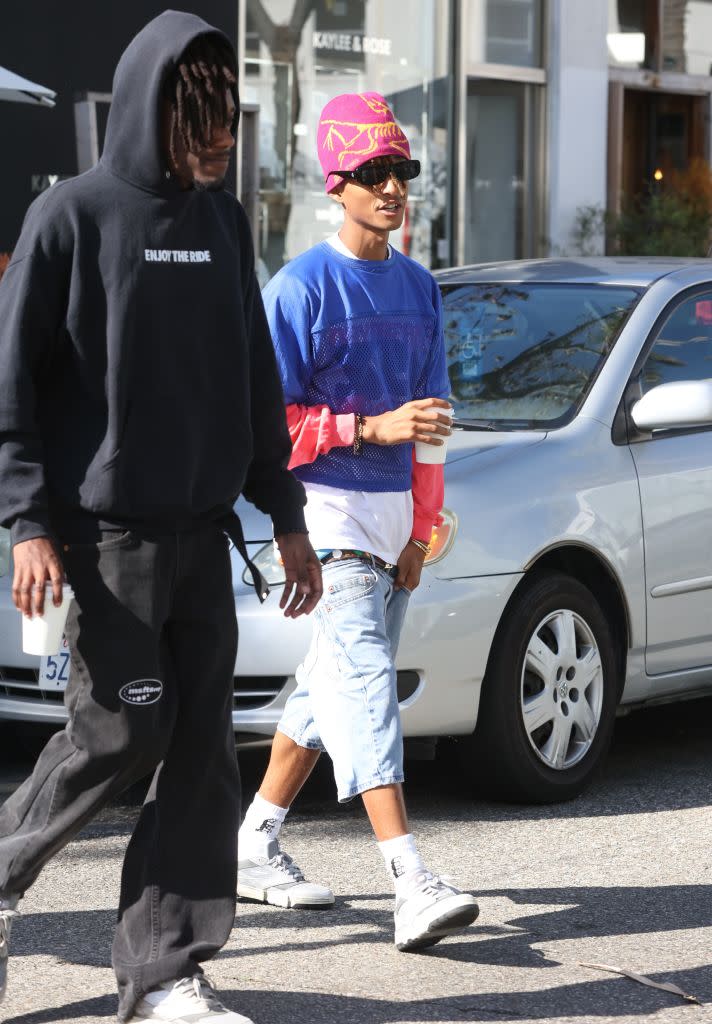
(505, 32)
(687, 36)
(670, 35)
(501, 170)
(631, 33)
(301, 53)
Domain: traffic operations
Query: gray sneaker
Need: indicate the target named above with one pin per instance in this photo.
(7, 912)
(431, 911)
(276, 879)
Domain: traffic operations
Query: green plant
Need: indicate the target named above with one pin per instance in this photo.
(663, 224)
(673, 220)
(589, 228)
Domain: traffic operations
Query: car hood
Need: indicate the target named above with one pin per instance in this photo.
(488, 447)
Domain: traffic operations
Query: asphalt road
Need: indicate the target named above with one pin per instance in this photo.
(621, 876)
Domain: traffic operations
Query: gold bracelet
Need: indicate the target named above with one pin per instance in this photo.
(425, 548)
(358, 433)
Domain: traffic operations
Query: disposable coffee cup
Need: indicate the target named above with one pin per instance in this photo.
(42, 634)
(434, 454)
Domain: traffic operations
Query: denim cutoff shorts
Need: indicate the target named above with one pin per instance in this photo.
(345, 701)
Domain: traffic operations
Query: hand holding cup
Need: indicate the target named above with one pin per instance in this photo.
(427, 421)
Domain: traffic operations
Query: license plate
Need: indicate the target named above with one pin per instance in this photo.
(54, 669)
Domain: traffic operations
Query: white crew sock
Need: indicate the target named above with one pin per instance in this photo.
(402, 860)
(261, 824)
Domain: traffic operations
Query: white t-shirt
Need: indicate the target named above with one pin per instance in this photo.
(379, 522)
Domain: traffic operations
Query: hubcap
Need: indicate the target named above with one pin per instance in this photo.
(561, 691)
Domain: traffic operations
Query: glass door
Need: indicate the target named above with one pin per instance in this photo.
(501, 170)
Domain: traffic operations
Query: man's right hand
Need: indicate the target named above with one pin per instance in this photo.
(414, 421)
(36, 563)
(303, 586)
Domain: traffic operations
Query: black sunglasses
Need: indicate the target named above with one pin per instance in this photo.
(376, 174)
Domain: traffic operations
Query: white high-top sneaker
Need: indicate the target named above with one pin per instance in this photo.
(186, 1001)
(8, 910)
(275, 878)
(430, 911)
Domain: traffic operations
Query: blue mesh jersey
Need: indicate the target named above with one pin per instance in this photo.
(357, 336)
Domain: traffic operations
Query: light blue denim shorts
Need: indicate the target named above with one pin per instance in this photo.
(345, 701)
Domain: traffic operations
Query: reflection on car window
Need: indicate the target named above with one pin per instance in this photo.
(528, 353)
(683, 348)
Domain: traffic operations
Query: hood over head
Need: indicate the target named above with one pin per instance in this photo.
(134, 147)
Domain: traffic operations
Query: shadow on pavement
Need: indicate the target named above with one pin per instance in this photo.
(609, 997)
(587, 1000)
(84, 937)
(99, 1006)
(661, 759)
(585, 913)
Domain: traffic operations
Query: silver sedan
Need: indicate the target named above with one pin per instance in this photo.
(572, 577)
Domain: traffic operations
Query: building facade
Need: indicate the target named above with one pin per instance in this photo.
(72, 48)
(522, 112)
(467, 79)
(299, 54)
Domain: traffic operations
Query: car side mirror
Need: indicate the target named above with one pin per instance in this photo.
(684, 403)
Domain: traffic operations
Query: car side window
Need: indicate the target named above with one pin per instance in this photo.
(683, 347)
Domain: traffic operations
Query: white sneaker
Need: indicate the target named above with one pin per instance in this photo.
(7, 913)
(186, 1001)
(274, 878)
(430, 911)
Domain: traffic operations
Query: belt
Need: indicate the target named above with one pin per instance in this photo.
(337, 555)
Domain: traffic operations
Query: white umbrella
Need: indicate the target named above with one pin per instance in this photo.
(20, 90)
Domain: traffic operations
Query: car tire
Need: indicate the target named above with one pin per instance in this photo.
(553, 673)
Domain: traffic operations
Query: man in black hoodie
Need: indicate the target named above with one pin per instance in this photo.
(138, 398)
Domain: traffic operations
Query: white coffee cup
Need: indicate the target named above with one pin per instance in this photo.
(434, 454)
(42, 634)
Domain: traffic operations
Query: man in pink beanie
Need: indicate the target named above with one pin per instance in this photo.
(357, 329)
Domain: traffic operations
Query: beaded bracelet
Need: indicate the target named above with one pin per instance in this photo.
(358, 433)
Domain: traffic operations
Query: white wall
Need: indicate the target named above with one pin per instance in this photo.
(698, 37)
(577, 114)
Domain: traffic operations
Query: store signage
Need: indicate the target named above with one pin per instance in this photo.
(351, 42)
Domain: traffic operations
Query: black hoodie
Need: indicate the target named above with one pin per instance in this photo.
(138, 383)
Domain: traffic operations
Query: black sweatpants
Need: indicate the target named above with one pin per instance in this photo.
(153, 637)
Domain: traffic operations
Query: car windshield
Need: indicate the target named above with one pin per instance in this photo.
(525, 355)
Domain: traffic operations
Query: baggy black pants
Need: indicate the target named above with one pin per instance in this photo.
(153, 637)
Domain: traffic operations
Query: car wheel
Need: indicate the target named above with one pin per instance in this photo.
(549, 696)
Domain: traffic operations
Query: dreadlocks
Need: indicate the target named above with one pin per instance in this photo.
(197, 91)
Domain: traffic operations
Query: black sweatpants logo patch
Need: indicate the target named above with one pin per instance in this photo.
(141, 691)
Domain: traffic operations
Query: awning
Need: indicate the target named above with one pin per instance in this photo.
(19, 90)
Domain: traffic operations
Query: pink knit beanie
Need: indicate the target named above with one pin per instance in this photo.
(353, 129)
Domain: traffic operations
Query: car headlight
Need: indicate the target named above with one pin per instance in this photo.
(442, 537)
(268, 560)
(5, 547)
